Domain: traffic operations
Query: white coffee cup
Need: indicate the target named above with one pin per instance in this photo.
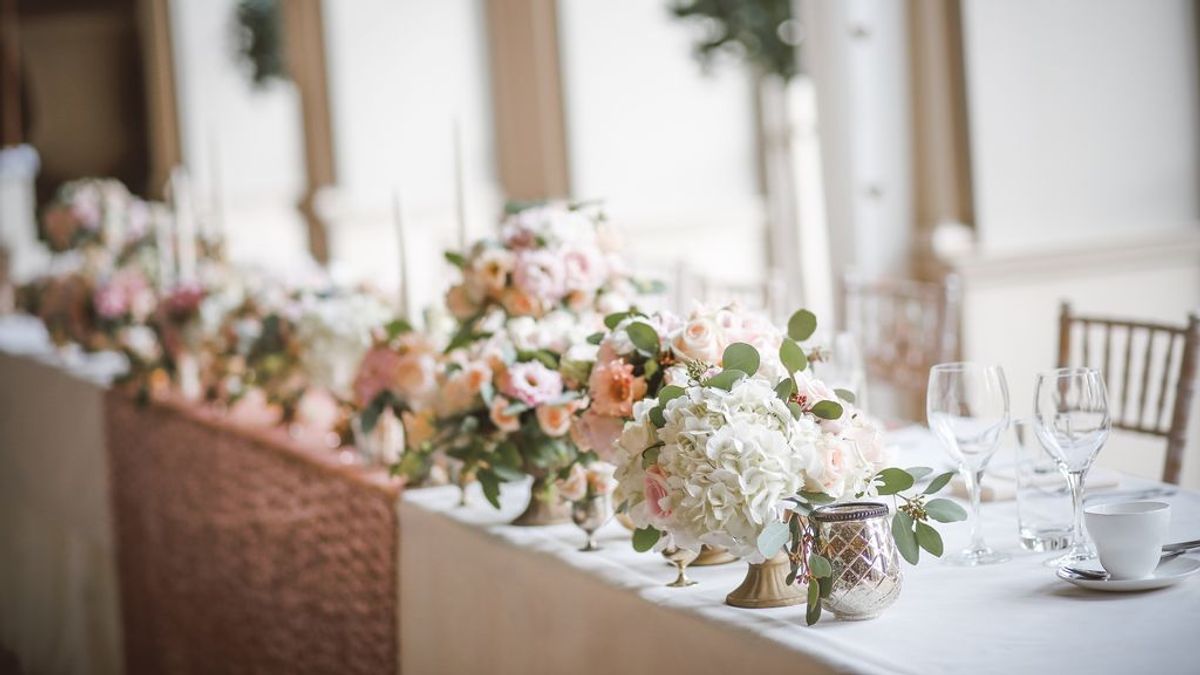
(1129, 536)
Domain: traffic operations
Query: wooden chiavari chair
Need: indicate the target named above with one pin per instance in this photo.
(1167, 351)
(904, 328)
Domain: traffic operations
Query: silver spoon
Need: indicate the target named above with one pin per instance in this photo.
(1101, 575)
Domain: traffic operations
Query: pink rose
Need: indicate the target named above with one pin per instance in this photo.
(541, 275)
(531, 383)
(504, 421)
(376, 373)
(584, 269)
(555, 420)
(598, 433)
(575, 486)
(698, 341)
(811, 391)
(658, 495)
(613, 388)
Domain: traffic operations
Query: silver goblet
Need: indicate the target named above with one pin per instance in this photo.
(681, 558)
(590, 514)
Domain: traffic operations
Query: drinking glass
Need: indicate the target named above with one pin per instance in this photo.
(967, 406)
(1072, 421)
(1043, 496)
(844, 367)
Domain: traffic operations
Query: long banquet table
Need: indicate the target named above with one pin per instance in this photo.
(484, 597)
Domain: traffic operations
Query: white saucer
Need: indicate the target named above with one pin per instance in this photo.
(1168, 573)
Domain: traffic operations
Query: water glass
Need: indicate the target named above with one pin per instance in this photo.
(1043, 495)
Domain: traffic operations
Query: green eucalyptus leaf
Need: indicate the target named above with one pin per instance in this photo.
(785, 389)
(740, 356)
(813, 613)
(792, 356)
(938, 483)
(643, 337)
(397, 327)
(656, 416)
(797, 411)
(773, 537)
(827, 410)
(650, 456)
(802, 325)
(945, 511)
(611, 321)
(816, 497)
(507, 473)
(649, 368)
(929, 539)
(491, 486)
(508, 455)
(455, 259)
(818, 566)
(906, 540)
(845, 394)
(826, 584)
(595, 338)
(725, 379)
(669, 393)
(644, 538)
(894, 481)
(791, 577)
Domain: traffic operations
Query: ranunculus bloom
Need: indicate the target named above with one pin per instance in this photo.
(418, 427)
(658, 498)
(504, 421)
(555, 420)
(519, 303)
(459, 302)
(492, 267)
(698, 341)
(614, 388)
(532, 383)
(574, 487)
(598, 433)
(541, 275)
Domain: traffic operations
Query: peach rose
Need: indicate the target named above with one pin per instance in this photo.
(574, 487)
(492, 268)
(504, 421)
(519, 303)
(698, 341)
(614, 388)
(598, 433)
(555, 420)
(658, 499)
(459, 302)
(418, 427)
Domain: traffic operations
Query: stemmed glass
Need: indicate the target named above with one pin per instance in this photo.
(967, 406)
(1071, 419)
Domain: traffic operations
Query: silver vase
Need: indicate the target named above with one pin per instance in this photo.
(856, 538)
(590, 514)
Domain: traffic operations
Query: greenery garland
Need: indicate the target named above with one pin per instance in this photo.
(761, 31)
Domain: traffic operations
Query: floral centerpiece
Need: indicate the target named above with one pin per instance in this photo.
(93, 212)
(730, 455)
(517, 366)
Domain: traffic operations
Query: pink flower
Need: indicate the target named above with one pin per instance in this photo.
(698, 341)
(575, 486)
(541, 275)
(600, 478)
(531, 383)
(459, 303)
(519, 303)
(504, 421)
(110, 301)
(613, 388)
(184, 300)
(811, 391)
(584, 269)
(491, 268)
(658, 496)
(598, 433)
(555, 420)
(375, 374)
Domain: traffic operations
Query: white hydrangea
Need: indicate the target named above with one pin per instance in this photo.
(335, 333)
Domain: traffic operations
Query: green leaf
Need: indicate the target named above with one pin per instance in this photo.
(785, 389)
(792, 357)
(397, 327)
(906, 540)
(826, 584)
(797, 411)
(919, 472)
(773, 537)
(516, 408)
(595, 338)
(370, 415)
(802, 325)
(649, 368)
(650, 455)
(656, 416)
(827, 410)
(455, 259)
(491, 486)
(508, 455)
(507, 473)
(938, 483)
(611, 321)
(643, 337)
(845, 394)
(816, 497)
(929, 539)
(669, 393)
(813, 613)
(724, 379)
(740, 356)
(818, 566)
(945, 511)
(644, 538)
(894, 481)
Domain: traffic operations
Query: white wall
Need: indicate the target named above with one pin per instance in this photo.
(669, 148)
(400, 73)
(1085, 150)
(249, 140)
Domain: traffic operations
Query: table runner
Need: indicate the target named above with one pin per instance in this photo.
(484, 597)
(243, 550)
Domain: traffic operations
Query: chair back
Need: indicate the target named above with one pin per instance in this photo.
(1149, 369)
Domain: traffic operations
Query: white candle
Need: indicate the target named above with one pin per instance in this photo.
(216, 217)
(402, 242)
(460, 202)
(162, 240)
(185, 224)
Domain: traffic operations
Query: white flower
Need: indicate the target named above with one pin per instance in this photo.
(335, 333)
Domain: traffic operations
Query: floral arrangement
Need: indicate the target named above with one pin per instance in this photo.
(733, 456)
(94, 211)
(584, 482)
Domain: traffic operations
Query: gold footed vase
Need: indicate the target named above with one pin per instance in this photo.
(545, 506)
(766, 585)
(713, 555)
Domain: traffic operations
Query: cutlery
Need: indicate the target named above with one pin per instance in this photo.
(1101, 575)
(1131, 494)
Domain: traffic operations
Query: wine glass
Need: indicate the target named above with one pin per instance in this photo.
(844, 368)
(590, 514)
(1071, 419)
(967, 406)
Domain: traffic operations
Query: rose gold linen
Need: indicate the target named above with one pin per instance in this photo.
(243, 550)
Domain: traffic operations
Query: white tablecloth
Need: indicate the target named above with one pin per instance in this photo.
(479, 596)
(58, 584)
